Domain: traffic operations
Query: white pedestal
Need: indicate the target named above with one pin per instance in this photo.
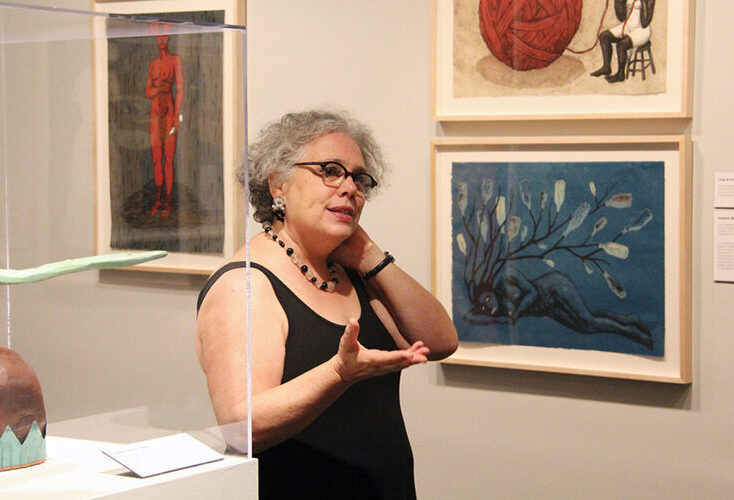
(77, 469)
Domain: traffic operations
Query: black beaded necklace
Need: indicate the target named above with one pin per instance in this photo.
(327, 286)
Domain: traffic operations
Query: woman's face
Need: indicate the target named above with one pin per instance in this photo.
(314, 207)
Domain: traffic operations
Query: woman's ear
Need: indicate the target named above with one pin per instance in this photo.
(277, 185)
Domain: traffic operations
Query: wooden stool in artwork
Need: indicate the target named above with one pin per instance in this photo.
(641, 60)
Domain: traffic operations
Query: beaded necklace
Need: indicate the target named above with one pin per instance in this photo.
(327, 286)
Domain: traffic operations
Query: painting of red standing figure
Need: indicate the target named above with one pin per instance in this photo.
(166, 140)
(166, 116)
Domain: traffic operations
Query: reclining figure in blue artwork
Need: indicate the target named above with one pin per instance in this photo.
(553, 295)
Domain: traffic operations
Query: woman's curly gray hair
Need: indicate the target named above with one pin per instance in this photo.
(281, 143)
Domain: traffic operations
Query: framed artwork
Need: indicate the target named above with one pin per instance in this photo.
(566, 254)
(170, 133)
(527, 60)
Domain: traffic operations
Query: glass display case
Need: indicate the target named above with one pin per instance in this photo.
(120, 139)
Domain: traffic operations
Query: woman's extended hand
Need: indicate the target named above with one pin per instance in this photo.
(355, 362)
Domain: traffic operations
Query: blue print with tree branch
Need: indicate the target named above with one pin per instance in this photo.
(560, 254)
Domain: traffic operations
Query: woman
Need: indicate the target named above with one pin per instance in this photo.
(333, 320)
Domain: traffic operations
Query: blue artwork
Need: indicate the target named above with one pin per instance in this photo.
(560, 254)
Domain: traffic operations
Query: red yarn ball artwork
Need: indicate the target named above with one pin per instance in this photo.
(528, 34)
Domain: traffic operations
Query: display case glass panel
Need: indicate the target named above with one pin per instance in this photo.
(119, 136)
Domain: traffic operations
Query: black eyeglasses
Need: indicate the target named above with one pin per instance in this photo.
(334, 174)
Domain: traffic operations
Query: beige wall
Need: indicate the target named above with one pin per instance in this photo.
(487, 433)
(484, 433)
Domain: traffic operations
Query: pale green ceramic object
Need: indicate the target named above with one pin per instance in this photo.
(13, 454)
(46, 271)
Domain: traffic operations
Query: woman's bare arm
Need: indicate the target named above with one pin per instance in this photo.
(408, 310)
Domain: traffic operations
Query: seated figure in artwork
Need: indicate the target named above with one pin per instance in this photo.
(633, 31)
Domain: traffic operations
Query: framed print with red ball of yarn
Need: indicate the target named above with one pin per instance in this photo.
(561, 59)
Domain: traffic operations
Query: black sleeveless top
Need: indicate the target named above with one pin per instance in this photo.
(357, 448)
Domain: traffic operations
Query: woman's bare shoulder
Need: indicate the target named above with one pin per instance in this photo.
(232, 285)
(229, 292)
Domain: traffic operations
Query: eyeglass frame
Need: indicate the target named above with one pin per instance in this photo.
(347, 173)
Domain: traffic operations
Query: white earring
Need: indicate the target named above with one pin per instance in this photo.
(279, 208)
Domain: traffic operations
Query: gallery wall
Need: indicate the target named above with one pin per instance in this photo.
(476, 432)
(491, 433)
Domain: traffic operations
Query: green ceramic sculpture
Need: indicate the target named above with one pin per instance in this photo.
(46, 271)
(14, 454)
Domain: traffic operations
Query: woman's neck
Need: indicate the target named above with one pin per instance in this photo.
(312, 253)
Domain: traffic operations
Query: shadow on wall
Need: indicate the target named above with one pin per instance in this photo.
(634, 392)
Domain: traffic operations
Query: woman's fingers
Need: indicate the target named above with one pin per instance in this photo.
(350, 337)
(419, 349)
(397, 360)
(351, 331)
(355, 362)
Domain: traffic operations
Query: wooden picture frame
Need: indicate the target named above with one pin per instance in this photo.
(204, 223)
(566, 254)
(470, 81)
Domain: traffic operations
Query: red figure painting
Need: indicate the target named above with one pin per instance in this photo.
(166, 149)
(166, 116)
